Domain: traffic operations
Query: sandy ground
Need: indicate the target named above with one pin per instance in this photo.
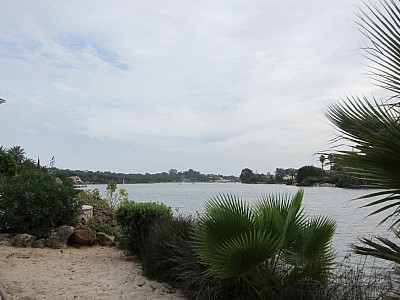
(85, 273)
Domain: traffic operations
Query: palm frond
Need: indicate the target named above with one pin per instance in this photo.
(281, 214)
(313, 243)
(232, 240)
(373, 130)
(224, 216)
(384, 249)
(381, 27)
(240, 255)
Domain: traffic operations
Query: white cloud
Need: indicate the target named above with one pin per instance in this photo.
(217, 84)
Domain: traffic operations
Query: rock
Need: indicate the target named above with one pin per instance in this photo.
(105, 239)
(40, 243)
(22, 240)
(59, 237)
(86, 215)
(4, 236)
(104, 215)
(5, 239)
(83, 236)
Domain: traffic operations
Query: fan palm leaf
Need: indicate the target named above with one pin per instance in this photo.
(384, 249)
(233, 240)
(372, 128)
(381, 26)
(374, 132)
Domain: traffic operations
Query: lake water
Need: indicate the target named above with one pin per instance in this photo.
(188, 198)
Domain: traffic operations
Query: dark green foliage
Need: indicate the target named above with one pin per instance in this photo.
(309, 175)
(247, 176)
(372, 128)
(169, 257)
(101, 225)
(8, 166)
(168, 240)
(136, 220)
(273, 247)
(36, 199)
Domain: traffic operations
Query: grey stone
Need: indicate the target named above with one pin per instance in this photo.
(59, 237)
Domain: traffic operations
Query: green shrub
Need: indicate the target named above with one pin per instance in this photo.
(273, 247)
(36, 199)
(115, 199)
(168, 242)
(99, 226)
(92, 197)
(135, 220)
(112, 199)
(169, 257)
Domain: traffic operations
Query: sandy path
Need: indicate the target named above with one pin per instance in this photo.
(86, 273)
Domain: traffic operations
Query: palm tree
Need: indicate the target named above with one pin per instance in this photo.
(18, 153)
(372, 128)
(270, 247)
(322, 158)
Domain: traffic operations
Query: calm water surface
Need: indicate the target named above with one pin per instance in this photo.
(188, 198)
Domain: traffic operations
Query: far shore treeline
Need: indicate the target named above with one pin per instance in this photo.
(173, 175)
(329, 173)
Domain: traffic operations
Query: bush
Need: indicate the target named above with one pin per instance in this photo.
(135, 220)
(169, 257)
(36, 199)
(273, 247)
(92, 197)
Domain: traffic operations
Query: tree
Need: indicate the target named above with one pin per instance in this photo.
(173, 172)
(18, 153)
(279, 174)
(8, 166)
(273, 243)
(246, 175)
(305, 172)
(322, 159)
(372, 128)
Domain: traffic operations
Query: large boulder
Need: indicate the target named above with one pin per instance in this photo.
(59, 237)
(105, 239)
(83, 236)
(22, 240)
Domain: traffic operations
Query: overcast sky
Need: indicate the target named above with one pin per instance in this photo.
(146, 86)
